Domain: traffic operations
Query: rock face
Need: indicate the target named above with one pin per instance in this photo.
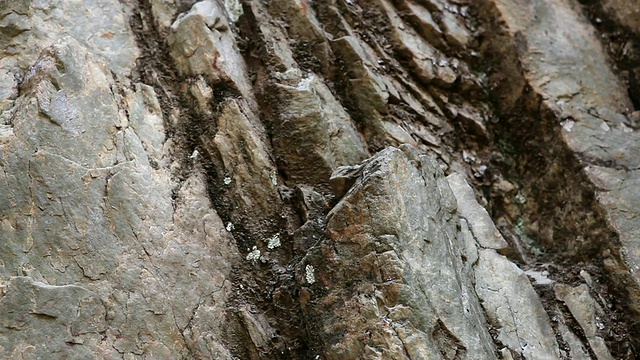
(224, 179)
(391, 272)
(90, 233)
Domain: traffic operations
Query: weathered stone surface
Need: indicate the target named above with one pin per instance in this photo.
(277, 52)
(374, 278)
(202, 43)
(302, 25)
(27, 27)
(313, 135)
(576, 349)
(451, 16)
(508, 299)
(511, 304)
(588, 314)
(427, 26)
(429, 64)
(369, 93)
(481, 225)
(130, 129)
(145, 118)
(578, 87)
(164, 12)
(343, 179)
(47, 320)
(87, 213)
(245, 169)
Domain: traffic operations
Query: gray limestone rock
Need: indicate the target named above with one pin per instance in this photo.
(565, 64)
(588, 314)
(369, 92)
(576, 349)
(480, 223)
(201, 43)
(509, 301)
(303, 26)
(27, 27)
(428, 63)
(277, 52)
(49, 320)
(513, 307)
(244, 167)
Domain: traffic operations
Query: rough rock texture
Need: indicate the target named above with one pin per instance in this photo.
(340, 179)
(587, 126)
(390, 281)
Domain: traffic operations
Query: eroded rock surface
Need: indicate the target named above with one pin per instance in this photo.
(588, 113)
(391, 273)
(104, 259)
(294, 179)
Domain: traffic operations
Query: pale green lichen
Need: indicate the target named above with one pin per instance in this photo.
(227, 180)
(230, 227)
(274, 241)
(254, 255)
(234, 8)
(310, 274)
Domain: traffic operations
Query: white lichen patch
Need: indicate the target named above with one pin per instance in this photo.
(520, 198)
(305, 83)
(274, 241)
(274, 177)
(194, 155)
(567, 125)
(254, 255)
(310, 274)
(234, 9)
(227, 180)
(230, 227)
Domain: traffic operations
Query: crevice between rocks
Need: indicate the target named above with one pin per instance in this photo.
(267, 285)
(155, 68)
(525, 138)
(181, 121)
(558, 206)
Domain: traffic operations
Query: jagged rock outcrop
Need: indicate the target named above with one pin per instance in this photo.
(390, 280)
(342, 179)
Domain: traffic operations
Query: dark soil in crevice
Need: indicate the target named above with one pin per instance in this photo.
(254, 283)
(155, 68)
(623, 47)
(551, 212)
(268, 285)
(370, 25)
(555, 211)
(612, 327)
